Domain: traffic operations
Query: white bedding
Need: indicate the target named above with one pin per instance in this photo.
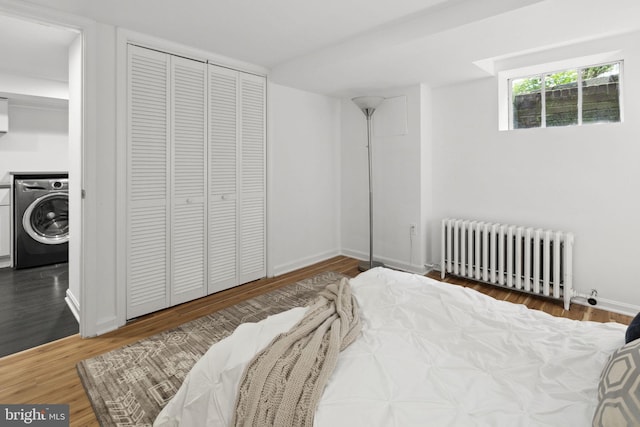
(429, 354)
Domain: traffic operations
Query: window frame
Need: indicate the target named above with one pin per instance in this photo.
(505, 107)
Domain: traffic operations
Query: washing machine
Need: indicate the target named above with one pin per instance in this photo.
(41, 220)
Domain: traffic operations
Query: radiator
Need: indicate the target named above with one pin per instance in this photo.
(520, 258)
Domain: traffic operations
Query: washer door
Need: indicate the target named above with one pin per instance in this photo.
(46, 220)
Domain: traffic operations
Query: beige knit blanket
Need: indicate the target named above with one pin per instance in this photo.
(283, 384)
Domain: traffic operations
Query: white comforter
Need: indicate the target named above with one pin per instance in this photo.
(429, 354)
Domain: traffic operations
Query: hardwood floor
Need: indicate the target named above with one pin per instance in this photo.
(47, 374)
(554, 307)
(32, 308)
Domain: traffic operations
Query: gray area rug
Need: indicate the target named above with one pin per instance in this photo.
(129, 386)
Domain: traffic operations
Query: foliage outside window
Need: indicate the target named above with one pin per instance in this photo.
(569, 97)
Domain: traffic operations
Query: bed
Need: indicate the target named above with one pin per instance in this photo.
(428, 352)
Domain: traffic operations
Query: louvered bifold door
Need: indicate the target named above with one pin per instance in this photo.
(252, 207)
(147, 181)
(223, 173)
(188, 201)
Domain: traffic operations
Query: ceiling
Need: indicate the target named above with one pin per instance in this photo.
(348, 47)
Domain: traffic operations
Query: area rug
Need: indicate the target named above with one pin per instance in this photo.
(129, 386)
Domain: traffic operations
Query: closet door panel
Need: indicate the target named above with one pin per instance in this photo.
(147, 264)
(222, 250)
(223, 182)
(252, 177)
(147, 181)
(189, 153)
(252, 239)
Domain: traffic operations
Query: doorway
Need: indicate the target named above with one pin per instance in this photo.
(41, 77)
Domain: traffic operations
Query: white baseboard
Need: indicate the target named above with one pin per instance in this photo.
(106, 325)
(610, 305)
(5, 261)
(303, 262)
(603, 304)
(389, 262)
(72, 302)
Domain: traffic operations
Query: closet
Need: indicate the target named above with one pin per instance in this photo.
(195, 179)
(237, 178)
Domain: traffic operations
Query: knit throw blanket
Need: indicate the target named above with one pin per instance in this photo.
(283, 384)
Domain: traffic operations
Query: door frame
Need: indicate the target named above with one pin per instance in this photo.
(81, 163)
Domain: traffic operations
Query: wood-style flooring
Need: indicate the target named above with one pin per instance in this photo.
(553, 307)
(32, 307)
(47, 374)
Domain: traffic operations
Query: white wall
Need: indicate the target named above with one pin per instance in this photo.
(38, 140)
(303, 186)
(427, 231)
(98, 297)
(101, 184)
(578, 179)
(397, 181)
(452, 162)
(304, 178)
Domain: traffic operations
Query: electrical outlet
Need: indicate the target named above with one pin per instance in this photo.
(413, 230)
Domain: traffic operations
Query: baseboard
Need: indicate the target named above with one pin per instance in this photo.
(303, 262)
(388, 262)
(102, 326)
(5, 262)
(107, 325)
(610, 305)
(603, 303)
(73, 304)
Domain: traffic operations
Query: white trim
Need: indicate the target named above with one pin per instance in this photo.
(72, 302)
(505, 120)
(621, 78)
(543, 100)
(579, 83)
(89, 292)
(505, 104)
(610, 305)
(269, 137)
(303, 262)
(121, 178)
(107, 325)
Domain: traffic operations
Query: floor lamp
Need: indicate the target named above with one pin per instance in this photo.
(368, 105)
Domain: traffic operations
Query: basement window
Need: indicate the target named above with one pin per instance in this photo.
(573, 96)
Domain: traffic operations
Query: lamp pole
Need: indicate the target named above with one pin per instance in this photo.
(369, 112)
(368, 106)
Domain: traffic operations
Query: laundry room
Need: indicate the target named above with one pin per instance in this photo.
(34, 163)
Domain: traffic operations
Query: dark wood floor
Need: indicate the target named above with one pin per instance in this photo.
(32, 307)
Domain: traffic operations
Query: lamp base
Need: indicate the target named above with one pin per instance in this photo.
(365, 265)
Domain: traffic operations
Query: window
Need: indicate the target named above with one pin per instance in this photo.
(574, 96)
